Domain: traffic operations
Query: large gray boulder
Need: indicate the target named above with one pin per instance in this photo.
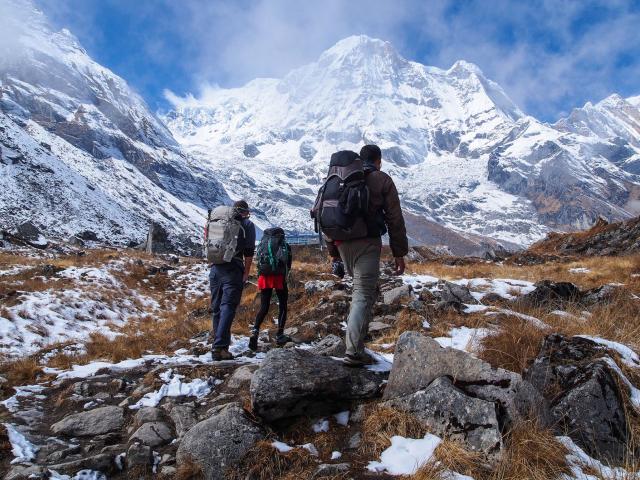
(294, 382)
(219, 442)
(94, 422)
(419, 360)
(585, 400)
(396, 295)
(446, 410)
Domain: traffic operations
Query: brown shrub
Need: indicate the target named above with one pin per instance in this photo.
(22, 371)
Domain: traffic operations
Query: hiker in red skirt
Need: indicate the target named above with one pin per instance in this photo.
(274, 263)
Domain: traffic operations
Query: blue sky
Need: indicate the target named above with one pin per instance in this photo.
(549, 56)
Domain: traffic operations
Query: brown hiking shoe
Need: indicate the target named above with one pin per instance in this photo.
(220, 354)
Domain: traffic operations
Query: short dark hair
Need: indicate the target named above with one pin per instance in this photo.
(241, 206)
(370, 153)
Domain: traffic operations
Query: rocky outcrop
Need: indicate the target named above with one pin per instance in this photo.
(585, 400)
(551, 294)
(419, 360)
(447, 411)
(219, 442)
(313, 385)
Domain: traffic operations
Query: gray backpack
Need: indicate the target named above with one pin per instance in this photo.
(221, 235)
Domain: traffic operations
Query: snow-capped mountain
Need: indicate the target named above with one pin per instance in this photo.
(79, 150)
(462, 153)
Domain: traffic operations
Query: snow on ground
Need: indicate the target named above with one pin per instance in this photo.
(536, 322)
(419, 281)
(505, 287)
(192, 282)
(175, 387)
(95, 301)
(579, 462)
(383, 361)
(25, 391)
(21, 448)
(463, 338)
(627, 355)
(579, 270)
(405, 456)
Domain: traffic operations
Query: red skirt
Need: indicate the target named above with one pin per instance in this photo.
(271, 281)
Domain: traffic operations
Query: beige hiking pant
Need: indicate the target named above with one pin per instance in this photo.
(362, 261)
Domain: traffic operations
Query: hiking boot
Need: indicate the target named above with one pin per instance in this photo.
(253, 342)
(358, 360)
(220, 354)
(282, 339)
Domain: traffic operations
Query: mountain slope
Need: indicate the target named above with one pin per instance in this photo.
(463, 155)
(111, 165)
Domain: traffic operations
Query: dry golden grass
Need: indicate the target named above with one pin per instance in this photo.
(532, 453)
(513, 346)
(602, 270)
(264, 462)
(453, 456)
(382, 423)
(23, 371)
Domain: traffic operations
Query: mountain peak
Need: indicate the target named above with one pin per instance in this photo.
(360, 46)
(466, 68)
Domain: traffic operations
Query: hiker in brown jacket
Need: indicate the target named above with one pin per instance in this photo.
(361, 257)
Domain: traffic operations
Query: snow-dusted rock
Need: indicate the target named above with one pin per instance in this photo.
(330, 346)
(585, 388)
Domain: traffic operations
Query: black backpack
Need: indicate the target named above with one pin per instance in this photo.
(273, 253)
(343, 200)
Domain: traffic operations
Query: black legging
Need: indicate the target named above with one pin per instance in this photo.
(265, 302)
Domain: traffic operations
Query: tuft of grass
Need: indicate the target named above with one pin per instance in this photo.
(22, 371)
(189, 470)
(513, 346)
(264, 462)
(532, 452)
(382, 423)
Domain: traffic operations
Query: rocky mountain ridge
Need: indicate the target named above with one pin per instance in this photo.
(79, 150)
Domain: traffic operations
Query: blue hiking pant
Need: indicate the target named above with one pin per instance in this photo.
(226, 291)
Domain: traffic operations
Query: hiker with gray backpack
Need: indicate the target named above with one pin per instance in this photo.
(230, 239)
(273, 261)
(355, 207)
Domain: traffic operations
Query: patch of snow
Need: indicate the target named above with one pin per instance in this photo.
(335, 455)
(405, 456)
(475, 308)
(383, 361)
(175, 388)
(463, 338)
(426, 324)
(536, 322)
(21, 448)
(281, 446)
(579, 461)
(627, 355)
(311, 448)
(419, 281)
(342, 418)
(321, 425)
(579, 270)
(12, 403)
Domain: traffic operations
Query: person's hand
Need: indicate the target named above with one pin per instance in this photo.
(337, 268)
(399, 266)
